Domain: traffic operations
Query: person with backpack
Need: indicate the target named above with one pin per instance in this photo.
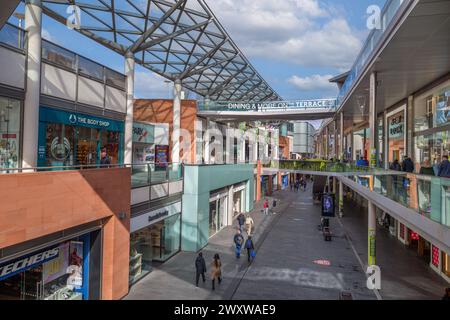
(241, 220)
(200, 268)
(238, 241)
(249, 245)
(216, 270)
(249, 224)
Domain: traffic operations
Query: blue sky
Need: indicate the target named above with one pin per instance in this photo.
(295, 44)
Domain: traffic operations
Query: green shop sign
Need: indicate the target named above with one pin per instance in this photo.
(79, 119)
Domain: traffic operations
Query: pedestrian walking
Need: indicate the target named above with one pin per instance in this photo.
(238, 241)
(249, 224)
(200, 268)
(444, 168)
(241, 220)
(216, 270)
(250, 248)
(266, 207)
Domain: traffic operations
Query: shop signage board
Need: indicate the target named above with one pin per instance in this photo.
(151, 217)
(143, 133)
(396, 127)
(79, 119)
(267, 106)
(22, 264)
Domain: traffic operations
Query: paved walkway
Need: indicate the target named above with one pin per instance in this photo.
(404, 275)
(175, 279)
(289, 245)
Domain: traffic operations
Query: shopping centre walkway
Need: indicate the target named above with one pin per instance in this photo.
(404, 275)
(289, 246)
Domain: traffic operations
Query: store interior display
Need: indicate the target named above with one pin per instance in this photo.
(9, 132)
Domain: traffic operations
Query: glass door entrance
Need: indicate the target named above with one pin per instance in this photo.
(217, 215)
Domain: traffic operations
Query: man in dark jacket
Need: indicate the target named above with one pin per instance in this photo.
(407, 165)
(444, 168)
(238, 241)
(395, 166)
(200, 268)
(241, 220)
(250, 247)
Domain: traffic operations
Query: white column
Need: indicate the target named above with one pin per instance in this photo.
(228, 141)
(129, 73)
(341, 199)
(242, 146)
(176, 121)
(33, 26)
(341, 143)
(373, 119)
(372, 227)
(255, 146)
(230, 205)
(207, 138)
(410, 128)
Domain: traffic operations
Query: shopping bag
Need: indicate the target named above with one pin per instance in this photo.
(238, 250)
(253, 253)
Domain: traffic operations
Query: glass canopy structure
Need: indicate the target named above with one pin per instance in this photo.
(179, 40)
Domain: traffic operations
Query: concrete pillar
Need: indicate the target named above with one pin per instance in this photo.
(129, 73)
(176, 121)
(326, 155)
(230, 206)
(33, 26)
(373, 120)
(341, 199)
(372, 212)
(341, 131)
(207, 138)
(228, 144)
(409, 144)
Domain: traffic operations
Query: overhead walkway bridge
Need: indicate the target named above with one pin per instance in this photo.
(420, 202)
(267, 110)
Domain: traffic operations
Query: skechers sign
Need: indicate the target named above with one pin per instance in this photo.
(12, 268)
(266, 106)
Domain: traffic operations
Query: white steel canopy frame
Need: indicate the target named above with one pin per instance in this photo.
(177, 39)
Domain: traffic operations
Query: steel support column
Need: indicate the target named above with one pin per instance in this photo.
(129, 73)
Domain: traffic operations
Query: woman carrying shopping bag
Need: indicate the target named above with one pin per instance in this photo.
(216, 270)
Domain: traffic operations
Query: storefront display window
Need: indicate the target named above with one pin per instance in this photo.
(60, 274)
(217, 213)
(71, 139)
(429, 150)
(155, 243)
(380, 148)
(10, 111)
(424, 196)
(446, 264)
(396, 136)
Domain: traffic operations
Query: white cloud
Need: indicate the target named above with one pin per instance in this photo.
(47, 36)
(313, 83)
(302, 32)
(151, 85)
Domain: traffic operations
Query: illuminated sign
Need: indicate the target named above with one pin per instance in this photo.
(267, 106)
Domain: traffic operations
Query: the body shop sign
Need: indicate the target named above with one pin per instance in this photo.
(396, 126)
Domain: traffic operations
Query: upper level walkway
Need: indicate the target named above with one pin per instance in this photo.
(273, 110)
(420, 202)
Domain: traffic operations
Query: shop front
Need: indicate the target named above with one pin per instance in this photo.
(10, 130)
(218, 209)
(396, 135)
(57, 272)
(143, 143)
(432, 128)
(72, 139)
(239, 199)
(154, 238)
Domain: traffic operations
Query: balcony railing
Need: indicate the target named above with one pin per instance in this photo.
(388, 13)
(141, 174)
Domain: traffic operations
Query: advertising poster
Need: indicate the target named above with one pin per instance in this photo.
(56, 268)
(327, 205)
(75, 268)
(161, 156)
